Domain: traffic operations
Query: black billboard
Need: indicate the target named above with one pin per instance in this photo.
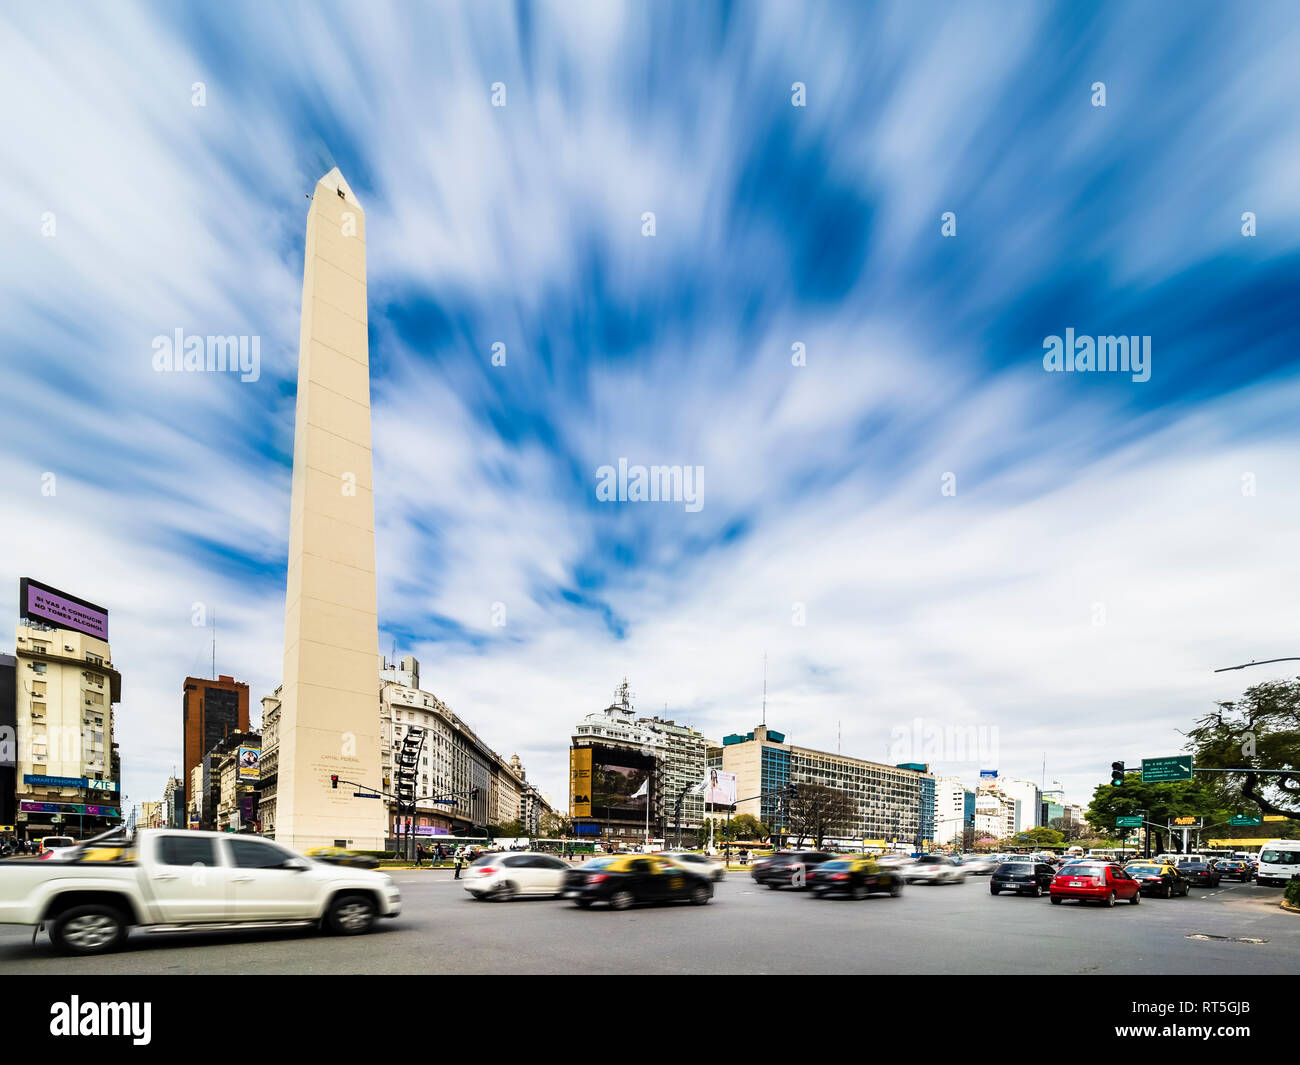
(8, 739)
(622, 784)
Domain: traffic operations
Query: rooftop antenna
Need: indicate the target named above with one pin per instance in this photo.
(214, 643)
(1044, 770)
(765, 689)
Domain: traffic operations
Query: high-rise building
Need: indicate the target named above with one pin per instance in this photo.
(995, 812)
(266, 796)
(1028, 801)
(65, 688)
(954, 808)
(210, 711)
(638, 768)
(890, 805)
(328, 723)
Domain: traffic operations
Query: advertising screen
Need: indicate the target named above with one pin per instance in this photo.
(250, 764)
(580, 782)
(41, 602)
(621, 784)
(720, 788)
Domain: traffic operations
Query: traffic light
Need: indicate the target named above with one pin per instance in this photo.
(334, 779)
(473, 793)
(1116, 774)
(793, 790)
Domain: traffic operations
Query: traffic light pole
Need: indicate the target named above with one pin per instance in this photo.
(449, 798)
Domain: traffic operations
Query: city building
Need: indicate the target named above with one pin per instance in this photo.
(1028, 801)
(619, 753)
(331, 633)
(995, 812)
(211, 710)
(236, 763)
(174, 803)
(64, 691)
(954, 811)
(891, 805)
(270, 762)
(150, 815)
(461, 786)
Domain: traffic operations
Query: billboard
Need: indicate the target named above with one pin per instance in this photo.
(580, 782)
(719, 788)
(249, 766)
(988, 774)
(621, 784)
(40, 602)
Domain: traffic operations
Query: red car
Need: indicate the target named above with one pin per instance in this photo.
(1096, 882)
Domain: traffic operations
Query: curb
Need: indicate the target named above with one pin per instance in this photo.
(1290, 907)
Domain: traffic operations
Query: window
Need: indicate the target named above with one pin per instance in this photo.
(38, 666)
(186, 850)
(256, 854)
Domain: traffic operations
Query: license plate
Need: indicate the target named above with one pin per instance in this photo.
(1076, 883)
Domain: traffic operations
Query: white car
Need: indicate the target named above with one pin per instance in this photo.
(509, 875)
(935, 869)
(696, 863)
(171, 881)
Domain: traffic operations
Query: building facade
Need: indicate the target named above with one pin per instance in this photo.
(891, 805)
(995, 813)
(1028, 799)
(270, 762)
(65, 688)
(210, 711)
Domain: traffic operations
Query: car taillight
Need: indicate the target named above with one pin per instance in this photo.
(595, 878)
(44, 856)
(487, 871)
(839, 876)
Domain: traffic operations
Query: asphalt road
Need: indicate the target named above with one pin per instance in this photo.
(746, 929)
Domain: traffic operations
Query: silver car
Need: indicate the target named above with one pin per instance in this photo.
(935, 869)
(696, 863)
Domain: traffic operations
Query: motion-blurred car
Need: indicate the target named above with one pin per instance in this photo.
(625, 880)
(856, 877)
(696, 863)
(1202, 874)
(1094, 882)
(508, 875)
(1234, 870)
(342, 856)
(935, 869)
(1158, 878)
(788, 868)
(1022, 878)
(980, 864)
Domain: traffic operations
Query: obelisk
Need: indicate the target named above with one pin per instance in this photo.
(329, 716)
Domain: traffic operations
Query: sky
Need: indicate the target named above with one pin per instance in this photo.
(710, 235)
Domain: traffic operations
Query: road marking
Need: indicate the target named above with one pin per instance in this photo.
(1229, 939)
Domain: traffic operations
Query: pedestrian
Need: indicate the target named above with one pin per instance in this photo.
(457, 861)
(419, 854)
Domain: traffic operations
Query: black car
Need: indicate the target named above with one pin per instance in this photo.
(1158, 878)
(788, 868)
(1234, 870)
(623, 880)
(1202, 874)
(1024, 878)
(855, 877)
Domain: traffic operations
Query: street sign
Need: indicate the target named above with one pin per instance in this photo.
(1185, 822)
(1245, 819)
(1128, 822)
(1274, 817)
(1163, 770)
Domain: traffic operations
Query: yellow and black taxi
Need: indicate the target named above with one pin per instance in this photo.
(1158, 878)
(623, 880)
(341, 856)
(856, 877)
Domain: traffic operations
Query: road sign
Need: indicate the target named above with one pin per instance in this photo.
(1162, 770)
(1274, 817)
(1245, 819)
(1185, 822)
(1128, 822)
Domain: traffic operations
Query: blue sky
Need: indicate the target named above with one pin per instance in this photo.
(1098, 560)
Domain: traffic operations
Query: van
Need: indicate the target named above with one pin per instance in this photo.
(49, 843)
(1279, 861)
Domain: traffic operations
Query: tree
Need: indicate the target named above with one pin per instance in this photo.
(820, 811)
(510, 830)
(1262, 730)
(1042, 837)
(554, 825)
(1070, 829)
(749, 827)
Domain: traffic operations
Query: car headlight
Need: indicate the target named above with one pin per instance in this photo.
(388, 880)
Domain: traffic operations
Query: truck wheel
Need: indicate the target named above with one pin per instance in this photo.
(351, 915)
(93, 929)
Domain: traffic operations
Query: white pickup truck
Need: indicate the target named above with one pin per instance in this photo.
(174, 880)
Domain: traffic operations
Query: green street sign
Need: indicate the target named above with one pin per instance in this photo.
(1163, 770)
(1128, 822)
(1244, 820)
